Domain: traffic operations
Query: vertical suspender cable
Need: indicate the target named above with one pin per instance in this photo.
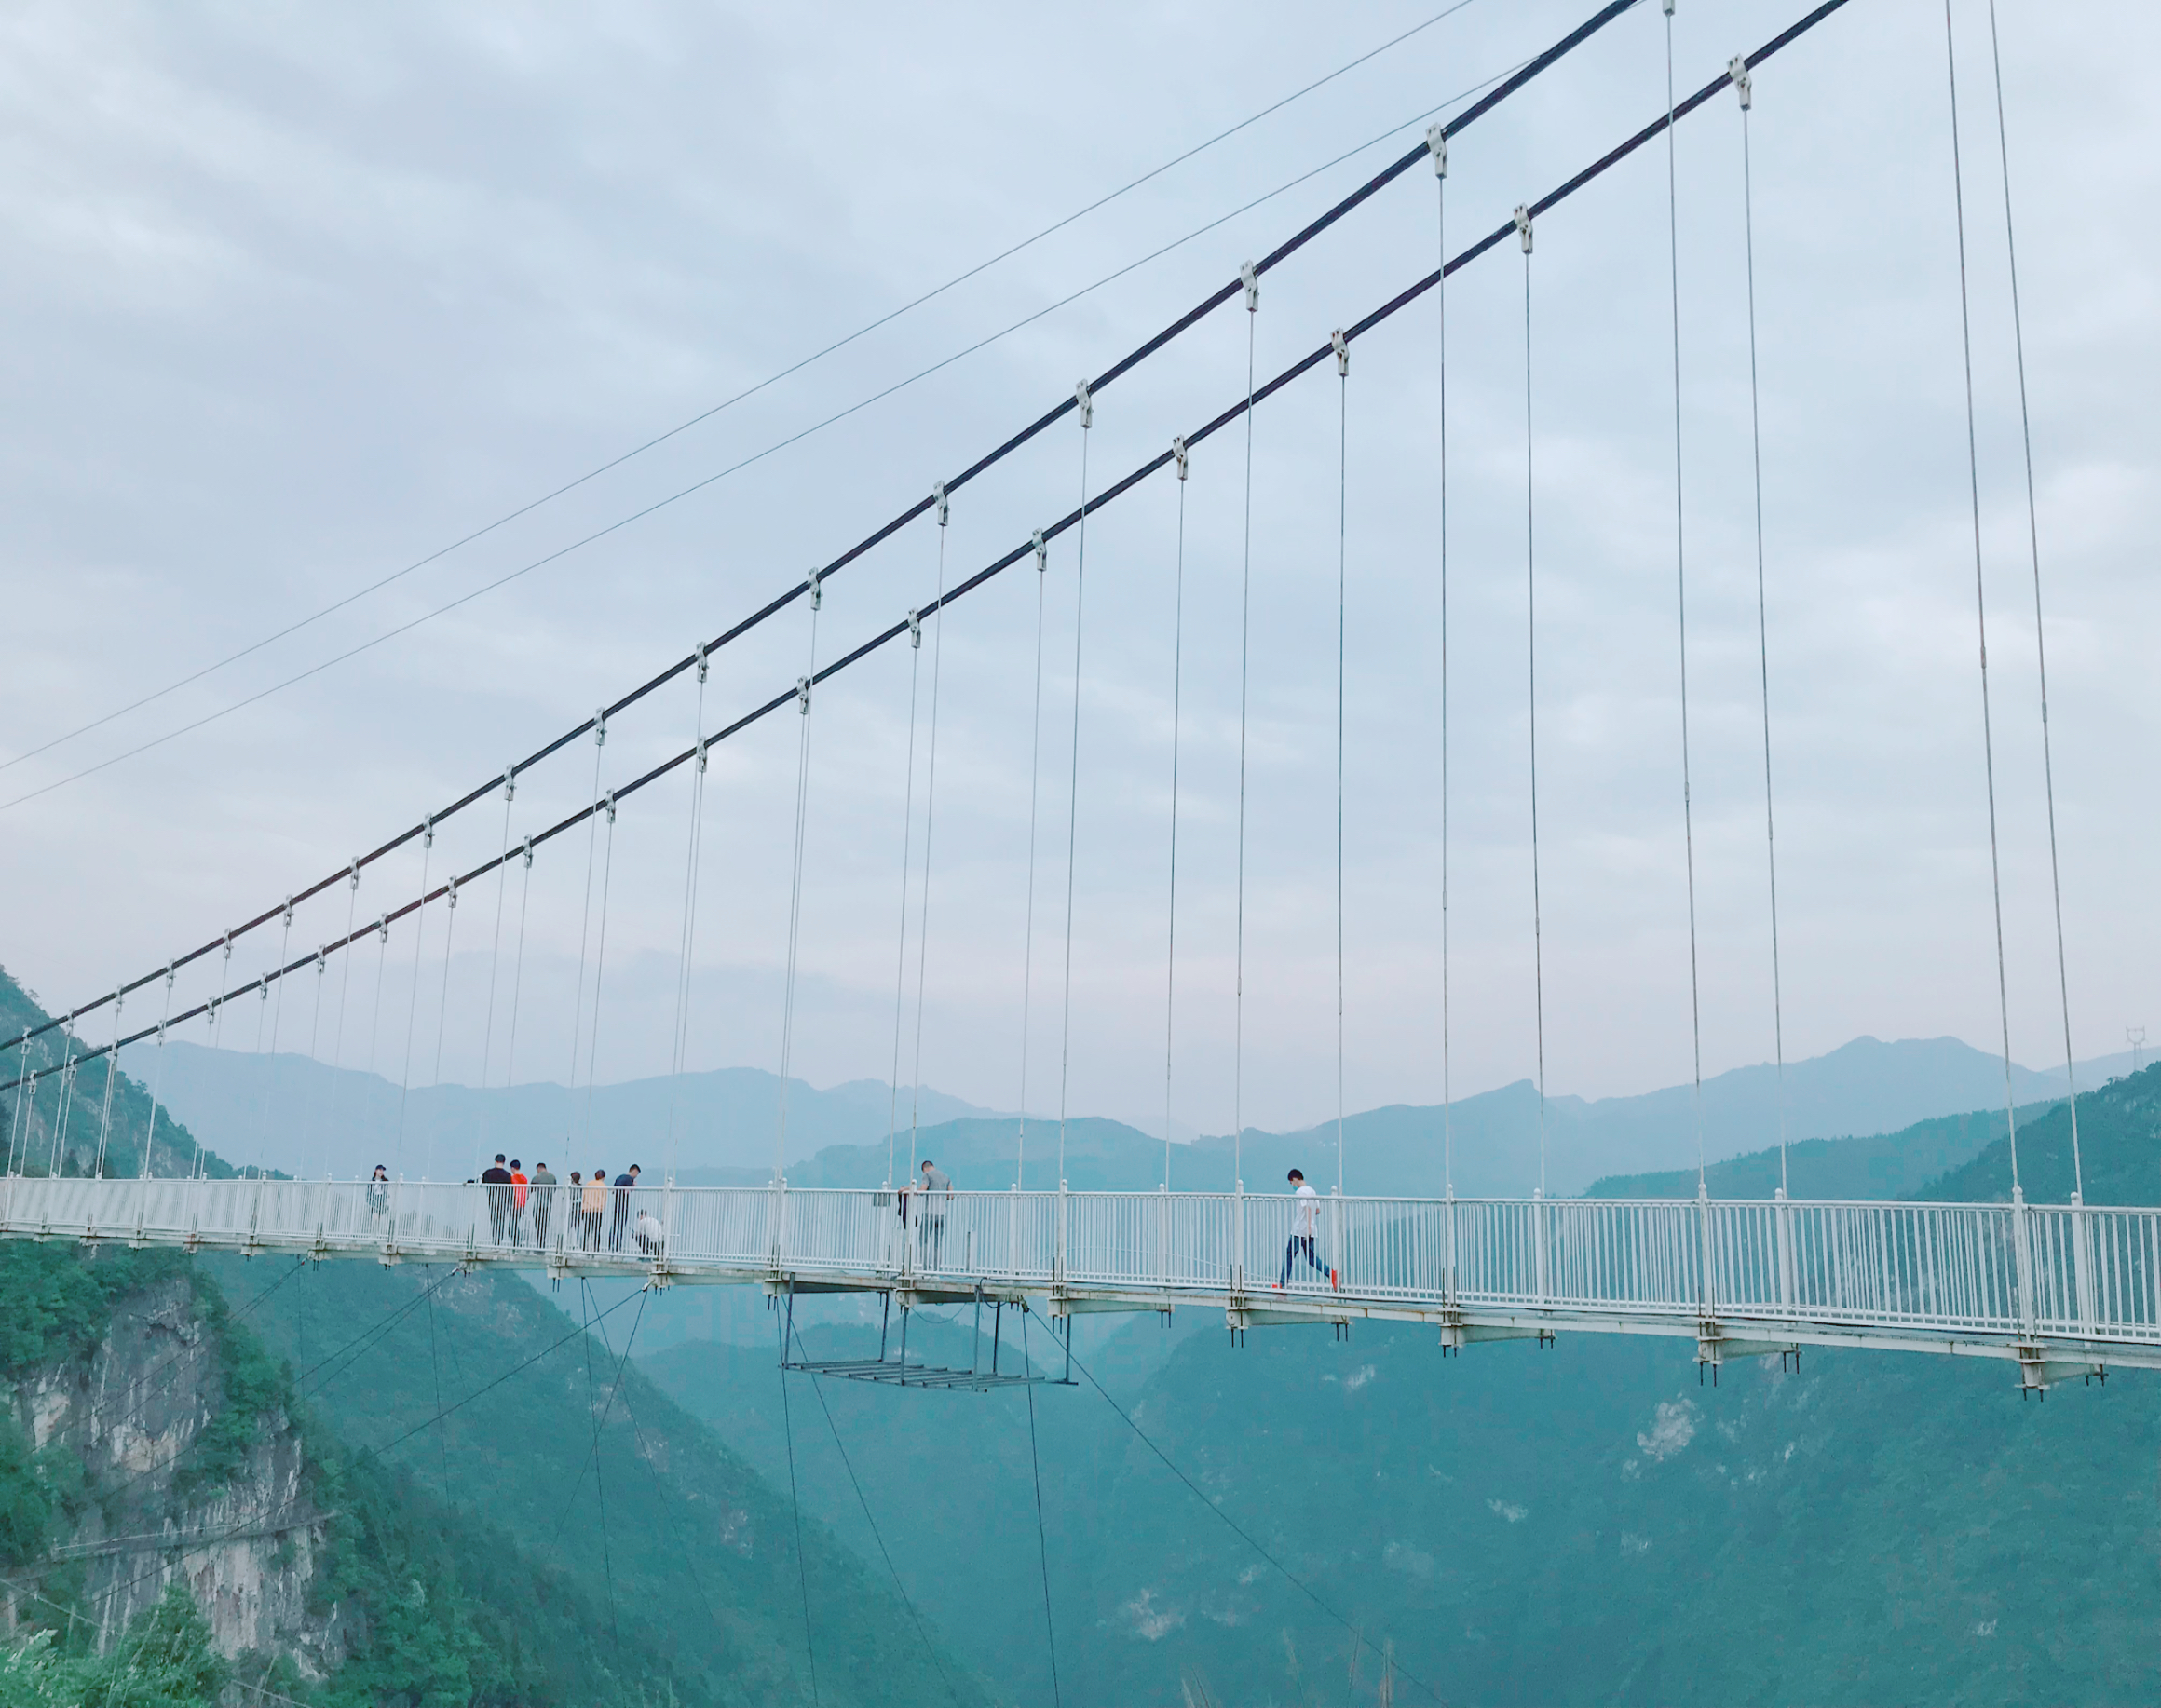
(442, 1002)
(1073, 796)
(1028, 927)
(217, 1018)
(158, 1079)
(929, 810)
(803, 688)
(607, 872)
(1245, 636)
(1043, 1537)
(314, 1037)
(1980, 594)
(375, 1013)
(2040, 640)
(1437, 141)
(1531, 608)
(496, 955)
(796, 1506)
(584, 924)
(1342, 615)
(272, 1077)
(1743, 84)
(518, 971)
(907, 840)
(337, 1053)
(691, 861)
(1178, 692)
(1681, 595)
(413, 1000)
(112, 1070)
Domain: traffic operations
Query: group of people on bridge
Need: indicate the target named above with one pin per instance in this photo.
(521, 1207)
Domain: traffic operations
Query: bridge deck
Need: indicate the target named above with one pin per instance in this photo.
(2060, 1289)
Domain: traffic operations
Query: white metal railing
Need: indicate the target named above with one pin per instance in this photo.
(1996, 1271)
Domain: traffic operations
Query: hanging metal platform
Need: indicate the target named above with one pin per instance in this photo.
(893, 1368)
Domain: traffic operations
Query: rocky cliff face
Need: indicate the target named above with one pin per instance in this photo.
(155, 1477)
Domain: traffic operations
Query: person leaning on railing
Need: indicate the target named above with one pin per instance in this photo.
(543, 1201)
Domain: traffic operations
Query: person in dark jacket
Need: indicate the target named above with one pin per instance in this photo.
(623, 1183)
(497, 1181)
(542, 1200)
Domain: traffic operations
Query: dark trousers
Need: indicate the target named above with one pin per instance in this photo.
(622, 1217)
(930, 1235)
(498, 1208)
(540, 1220)
(1300, 1245)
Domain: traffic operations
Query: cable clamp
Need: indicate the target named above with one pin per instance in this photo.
(452, 891)
(608, 801)
(1250, 277)
(816, 581)
(1342, 349)
(803, 694)
(288, 913)
(263, 988)
(382, 927)
(915, 630)
(1437, 147)
(600, 726)
(698, 652)
(1086, 399)
(1737, 74)
(171, 973)
(1178, 450)
(528, 853)
(427, 832)
(509, 783)
(1669, 7)
(229, 945)
(356, 872)
(1042, 552)
(1523, 227)
(938, 498)
(322, 960)
(702, 755)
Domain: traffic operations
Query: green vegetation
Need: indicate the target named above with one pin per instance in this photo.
(164, 1661)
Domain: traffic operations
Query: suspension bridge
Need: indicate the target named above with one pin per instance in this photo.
(2057, 1289)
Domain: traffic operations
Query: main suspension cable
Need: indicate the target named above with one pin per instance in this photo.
(1980, 595)
(1108, 494)
(1530, 70)
(2040, 637)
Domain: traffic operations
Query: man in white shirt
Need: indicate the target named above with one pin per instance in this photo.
(1305, 1221)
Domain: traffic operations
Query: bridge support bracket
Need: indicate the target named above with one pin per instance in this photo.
(2038, 1372)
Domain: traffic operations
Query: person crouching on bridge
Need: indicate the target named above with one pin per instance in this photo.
(930, 1217)
(1305, 1220)
(496, 1178)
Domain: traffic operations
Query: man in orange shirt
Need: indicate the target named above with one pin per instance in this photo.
(518, 1184)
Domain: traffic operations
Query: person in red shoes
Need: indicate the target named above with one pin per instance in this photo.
(1305, 1222)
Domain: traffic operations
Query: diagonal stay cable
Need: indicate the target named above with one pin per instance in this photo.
(747, 392)
(1357, 1632)
(1314, 228)
(1109, 495)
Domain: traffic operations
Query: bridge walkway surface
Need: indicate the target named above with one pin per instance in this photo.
(2061, 1290)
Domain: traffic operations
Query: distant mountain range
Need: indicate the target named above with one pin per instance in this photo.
(292, 1113)
(296, 1114)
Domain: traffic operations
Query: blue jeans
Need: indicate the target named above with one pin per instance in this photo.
(1300, 1244)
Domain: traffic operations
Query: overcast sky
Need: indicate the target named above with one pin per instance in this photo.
(297, 297)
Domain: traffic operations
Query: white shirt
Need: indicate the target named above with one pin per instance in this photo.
(1306, 1211)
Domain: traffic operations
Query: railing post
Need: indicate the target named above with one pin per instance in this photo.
(2081, 1263)
(1164, 1234)
(1448, 1248)
(1238, 1238)
(776, 1202)
(1538, 1239)
(1784, 1212)
(1706, 1295)
(1058, 1271)
(2023, 1263)
(667, 1215)
(1336, 1255)
(1012, 1233)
